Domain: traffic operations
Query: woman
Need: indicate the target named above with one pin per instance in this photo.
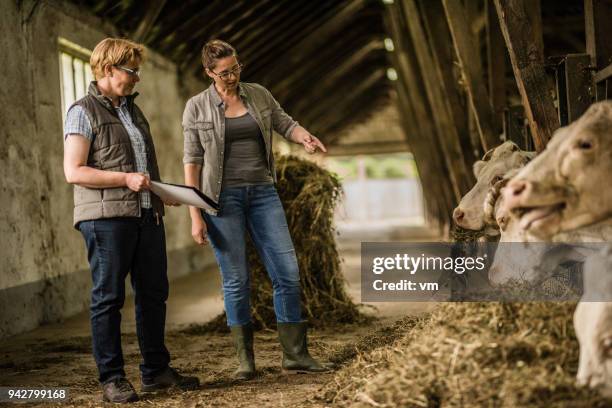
(108, 157)
(228, 155)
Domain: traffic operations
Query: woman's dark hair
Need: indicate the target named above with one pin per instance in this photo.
(214, 50)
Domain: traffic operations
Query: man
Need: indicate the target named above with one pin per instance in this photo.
(110, 159)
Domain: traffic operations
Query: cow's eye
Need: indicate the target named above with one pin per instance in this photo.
(585, 145)
(607, 347)
(496, 179)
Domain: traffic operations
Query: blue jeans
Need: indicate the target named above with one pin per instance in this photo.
(258, 210)
(115, 247)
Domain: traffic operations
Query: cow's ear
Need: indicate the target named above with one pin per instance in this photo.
(477, 167)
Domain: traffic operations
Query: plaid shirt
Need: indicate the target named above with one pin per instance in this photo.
(77, 122)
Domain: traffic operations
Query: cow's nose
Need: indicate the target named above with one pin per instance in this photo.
(458, 215)
(514, 193)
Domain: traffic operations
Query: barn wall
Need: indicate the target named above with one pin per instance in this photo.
(44, 273)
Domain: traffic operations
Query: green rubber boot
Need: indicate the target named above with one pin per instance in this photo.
(243, 342)
(296, 359)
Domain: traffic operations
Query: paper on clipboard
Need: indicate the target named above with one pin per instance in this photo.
(184, 195)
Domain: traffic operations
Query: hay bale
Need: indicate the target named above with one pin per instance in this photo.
(469, 355)
(309, 195)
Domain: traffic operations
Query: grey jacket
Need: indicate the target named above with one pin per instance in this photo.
(204, 131)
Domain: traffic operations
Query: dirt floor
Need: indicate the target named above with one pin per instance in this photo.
(59, 355)
(68, 363)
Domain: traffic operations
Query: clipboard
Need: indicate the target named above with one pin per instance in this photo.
(183, 194)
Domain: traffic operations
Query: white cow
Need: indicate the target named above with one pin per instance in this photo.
(493, 167)
(564, 189)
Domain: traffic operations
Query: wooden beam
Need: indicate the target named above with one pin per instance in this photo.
(496, 65)
(598, 15)
(528, 66)
(412, 84)
(362, 108)
(578, 84)
(438, 194)
(470, 64)
(443, 54)
(251, 47)
(328, 62)
(344, 100)
(460, 173)
(254, 27)
(514, 127)
(145, 25)
(326, 83)
(316, 37)
(534, 13)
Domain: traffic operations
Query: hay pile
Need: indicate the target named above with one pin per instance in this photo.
(472, 355)
(309, 195)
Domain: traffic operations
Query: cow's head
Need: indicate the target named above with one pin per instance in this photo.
(568, 185)
(517, 257)
(495, 164)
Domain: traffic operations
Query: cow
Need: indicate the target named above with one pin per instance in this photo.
(566, 188)
(495, 164)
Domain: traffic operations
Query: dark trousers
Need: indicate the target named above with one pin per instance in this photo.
(115, 247)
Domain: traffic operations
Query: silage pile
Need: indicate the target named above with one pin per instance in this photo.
(472, 355)
(309, 195)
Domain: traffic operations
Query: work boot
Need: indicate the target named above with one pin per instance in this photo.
(170, 378)
(243, 341)
(292, 337)
(118, 390)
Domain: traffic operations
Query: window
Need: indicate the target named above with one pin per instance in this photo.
(75, 73)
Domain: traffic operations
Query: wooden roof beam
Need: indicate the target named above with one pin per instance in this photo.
(148, 20)
(340, 99)
(327, 82)
(316, 38)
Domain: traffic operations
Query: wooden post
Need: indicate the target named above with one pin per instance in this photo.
(573, 87)
(597, 15)
(496, 64)
(528, 66)
(419, 129)
(514, 127)
(469, 61)
(460, 174)
(443, 55)
(534, 13)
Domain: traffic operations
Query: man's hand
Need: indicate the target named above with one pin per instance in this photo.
(198, 231)
(137, 181)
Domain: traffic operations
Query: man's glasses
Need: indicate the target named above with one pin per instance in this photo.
(225, 74)
(132, 72)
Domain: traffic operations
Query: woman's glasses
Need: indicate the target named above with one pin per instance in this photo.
(225, 74)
